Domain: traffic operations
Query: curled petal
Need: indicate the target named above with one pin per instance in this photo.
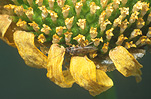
(103, 83)
(5, 23)
(85, 74)
(125, 62)
(54, 67)
(28, 51)
(6, 29)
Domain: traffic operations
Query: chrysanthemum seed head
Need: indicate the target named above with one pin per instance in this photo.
(105, 31)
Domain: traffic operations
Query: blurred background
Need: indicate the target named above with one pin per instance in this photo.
(19, 81)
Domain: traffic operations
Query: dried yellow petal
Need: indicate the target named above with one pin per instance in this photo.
(28, 51)
(125, 62)
(85, 74)
(4, 24)
(54, 67)
(6, 29)
(103, 83)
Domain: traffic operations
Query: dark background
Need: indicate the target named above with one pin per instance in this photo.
(19, 81)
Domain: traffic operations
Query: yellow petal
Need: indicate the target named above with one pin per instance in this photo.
(103, 83)
(125, 62)
(54, 67)
(6, 29)
(4, 24)
(28, 51)
(85, 74)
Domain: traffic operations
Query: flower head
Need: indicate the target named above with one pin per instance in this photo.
(80, 36)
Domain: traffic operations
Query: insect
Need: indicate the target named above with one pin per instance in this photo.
(81, 50)
(77, 50)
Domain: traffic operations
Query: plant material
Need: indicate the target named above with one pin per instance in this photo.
(87, 37)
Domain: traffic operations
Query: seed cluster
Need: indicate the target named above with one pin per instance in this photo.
(103, 23)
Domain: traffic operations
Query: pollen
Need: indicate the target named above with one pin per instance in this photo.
(41, 38)
(149, 32)
(128, 45)
(137, 6)
(78, 7)
(22, 24)
(124, 11)
(61, 3)
(51, 4)
(46, 29)
(68, 36)
(116, 4)
(102, 17)
(117, 21)
(140, 23)
(93, 32)
(65, 11)
(10, 8)
(53, 15)
(84, 43)
(145, 8)
(56, 39)
(44, 12)
(143, 40)
(134, 16)
(123, 25)
(93, 8)
(29, 13)
(121, 39)
(109, 10)
(105, 47)
(97, 41)
(39, 2)
(109, 34)
(80, 38)
(93, 55)
(69, 22)
(103, 3)
(35, 26)
(82, 23)
(59, 30)
(135, 33)
(104, 24)
(19, 10)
